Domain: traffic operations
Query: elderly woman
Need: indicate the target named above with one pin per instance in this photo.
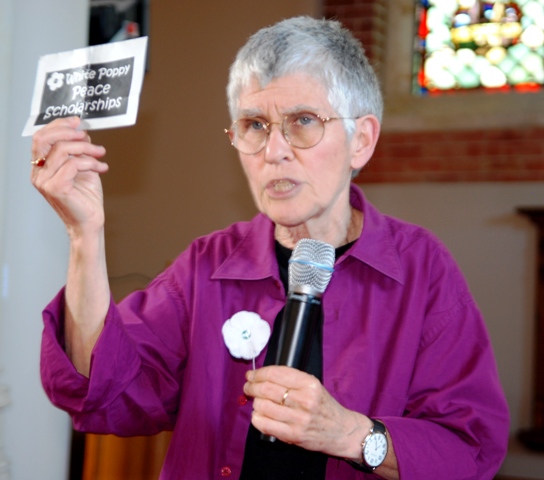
(401, 380)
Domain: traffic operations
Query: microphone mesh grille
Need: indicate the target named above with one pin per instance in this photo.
(311, 264)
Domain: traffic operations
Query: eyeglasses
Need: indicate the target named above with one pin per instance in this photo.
(301, 130)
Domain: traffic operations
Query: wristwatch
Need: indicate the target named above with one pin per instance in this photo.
(374, 448)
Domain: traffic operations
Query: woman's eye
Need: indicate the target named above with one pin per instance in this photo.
(256, 125)
(251, 125)
(305, 119)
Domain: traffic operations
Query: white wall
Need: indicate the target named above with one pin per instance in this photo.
(5, 58)
(32, 241)
(496, 248)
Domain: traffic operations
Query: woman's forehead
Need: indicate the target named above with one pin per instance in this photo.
(283, 95)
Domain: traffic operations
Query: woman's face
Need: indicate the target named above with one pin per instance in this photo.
(299, 187)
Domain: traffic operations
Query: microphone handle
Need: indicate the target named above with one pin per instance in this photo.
(298, 327)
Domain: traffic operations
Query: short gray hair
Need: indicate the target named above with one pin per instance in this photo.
(323, 49)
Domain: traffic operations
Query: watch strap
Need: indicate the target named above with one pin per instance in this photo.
(378, 427)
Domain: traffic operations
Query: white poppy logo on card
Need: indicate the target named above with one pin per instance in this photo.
(55, 81)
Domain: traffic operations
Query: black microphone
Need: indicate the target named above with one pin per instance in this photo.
(310, 270)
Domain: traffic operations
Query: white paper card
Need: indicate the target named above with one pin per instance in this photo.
(100, 84)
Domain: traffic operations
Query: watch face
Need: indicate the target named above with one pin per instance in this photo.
(375, 449)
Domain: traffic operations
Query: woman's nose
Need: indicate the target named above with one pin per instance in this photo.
(277, 147)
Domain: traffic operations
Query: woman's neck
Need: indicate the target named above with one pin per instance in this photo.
(346, 231)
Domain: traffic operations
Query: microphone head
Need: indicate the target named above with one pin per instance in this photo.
(311, 265)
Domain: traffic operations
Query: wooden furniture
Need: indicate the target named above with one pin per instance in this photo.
(107, 457)
(533, 438)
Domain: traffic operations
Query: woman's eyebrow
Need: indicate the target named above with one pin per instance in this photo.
(251, 112)
(255, 112)
(300, 108)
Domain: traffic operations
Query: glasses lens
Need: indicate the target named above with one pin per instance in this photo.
(303, 129)
(249, 134)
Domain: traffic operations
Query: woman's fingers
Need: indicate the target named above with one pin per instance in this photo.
(63, 170)
(59, 142)
(272, 383)
(62, 129)
(285, 395)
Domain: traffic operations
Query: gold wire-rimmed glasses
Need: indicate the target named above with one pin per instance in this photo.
(300, 129)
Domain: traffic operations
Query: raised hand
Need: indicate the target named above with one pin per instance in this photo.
(69, 177)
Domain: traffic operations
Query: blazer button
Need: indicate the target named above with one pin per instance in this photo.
(242, 400)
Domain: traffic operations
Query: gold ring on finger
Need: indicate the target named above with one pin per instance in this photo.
(285, 395)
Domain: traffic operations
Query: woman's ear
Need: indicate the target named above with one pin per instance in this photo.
(364, 140)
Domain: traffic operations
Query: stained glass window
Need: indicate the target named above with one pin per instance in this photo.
(478, 45)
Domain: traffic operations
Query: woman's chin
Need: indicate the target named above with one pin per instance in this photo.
(288, 220)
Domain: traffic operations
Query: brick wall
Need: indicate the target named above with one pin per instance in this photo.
(447, 156)
(367, 19)
(458, 156)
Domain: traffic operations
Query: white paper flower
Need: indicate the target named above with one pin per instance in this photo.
(245, 334)
(56, 80)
